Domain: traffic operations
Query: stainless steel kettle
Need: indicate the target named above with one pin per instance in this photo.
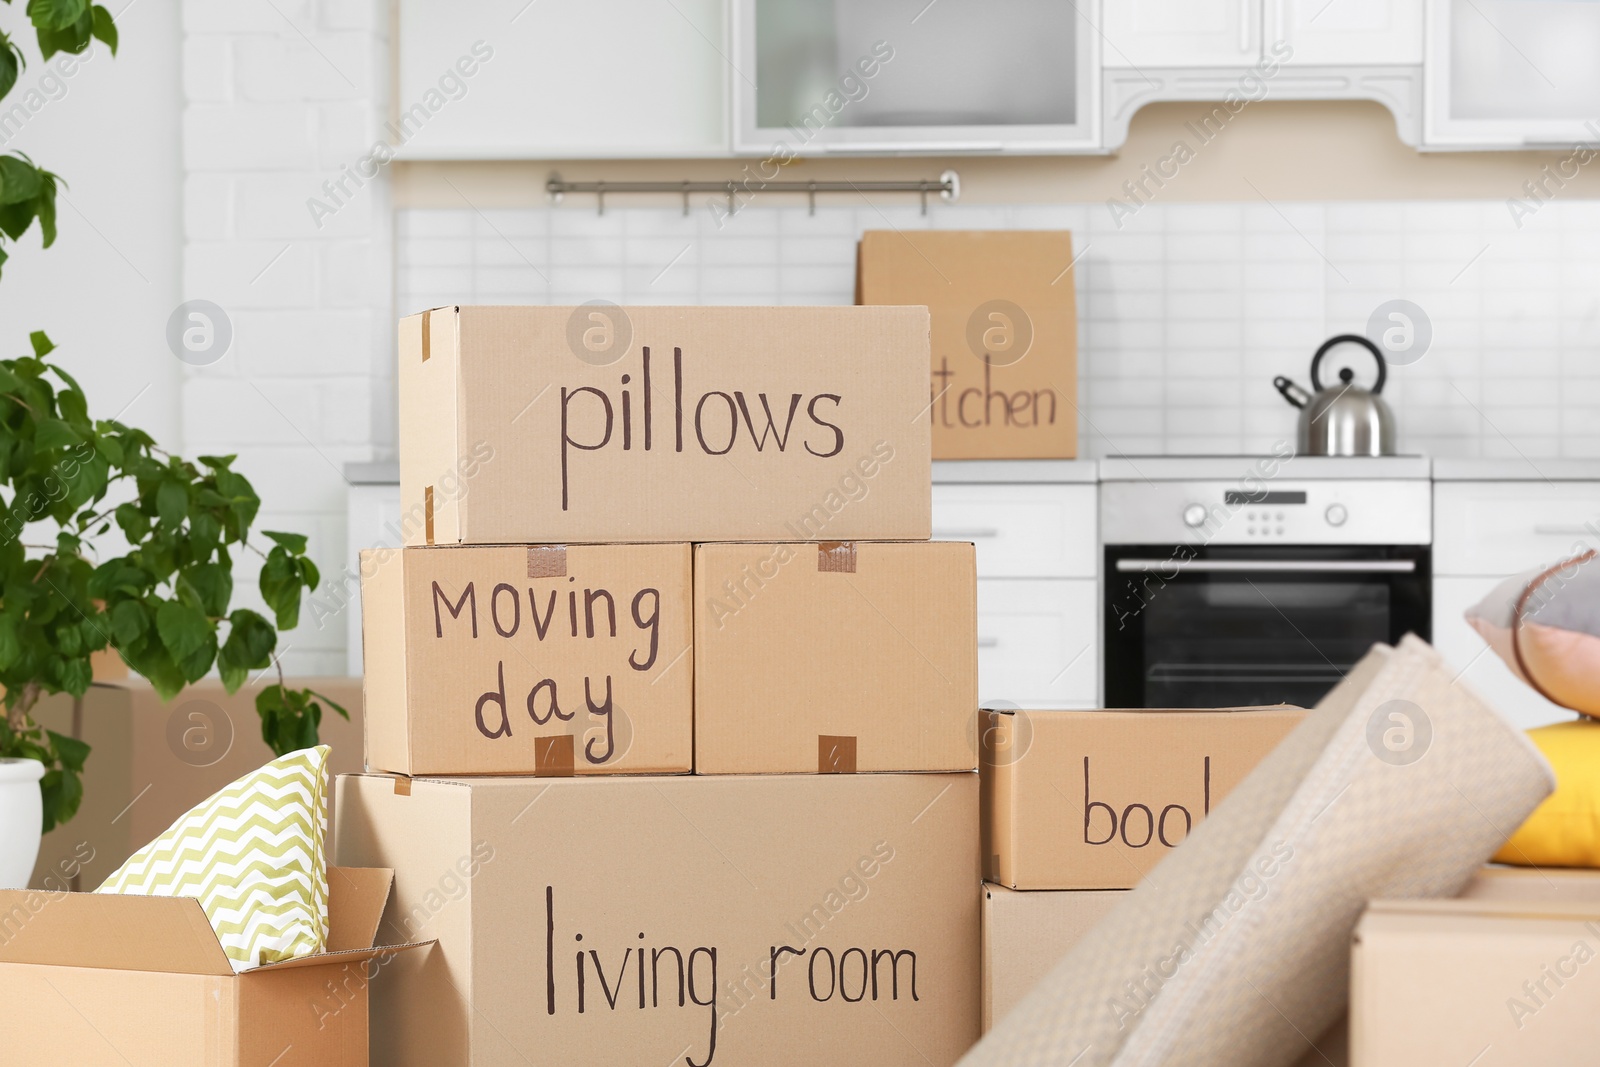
(1346, 420)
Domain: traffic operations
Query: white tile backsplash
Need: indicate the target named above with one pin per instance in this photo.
(1186, 313)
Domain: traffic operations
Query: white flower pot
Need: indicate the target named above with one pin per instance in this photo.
(21, 820)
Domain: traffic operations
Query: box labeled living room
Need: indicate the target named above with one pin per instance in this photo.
(777, 532)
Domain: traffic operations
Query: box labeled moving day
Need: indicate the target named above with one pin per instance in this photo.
(835, 657)
(775, 920)
(530, 424)
(143, 982)
(1004, 375)
(529, 659)
(1095, 799)
(1026, 933)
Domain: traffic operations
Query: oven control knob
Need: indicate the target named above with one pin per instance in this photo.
(1336, 514)
(1194, 515)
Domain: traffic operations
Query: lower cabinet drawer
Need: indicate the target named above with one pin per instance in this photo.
(1037, 643)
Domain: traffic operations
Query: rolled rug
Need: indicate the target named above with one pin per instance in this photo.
(1235, 950)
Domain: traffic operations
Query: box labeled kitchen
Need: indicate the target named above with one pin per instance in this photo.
(531, 424)
(765, 919)
(1095, 799)
(528, 659)
(835, 656)
(142, 980)
(1004, 371)
(1025, 934)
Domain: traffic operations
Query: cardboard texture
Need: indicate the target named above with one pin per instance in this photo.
(518, 659)
(1025, 934)
(142, 981)
(554, 900)
(1095, 799)
(835, 657)
(151, 761)
(1004, 372)
(1505, 975)
(531, 424)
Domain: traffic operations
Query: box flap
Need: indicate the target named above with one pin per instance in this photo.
(111, 931)
(356, 896)
(348, 956)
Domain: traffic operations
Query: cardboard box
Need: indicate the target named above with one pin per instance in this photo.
(142, 982)
(542, 892)
(151, 761)
(1004, 334)
(836, 656)
(528, 659)
(1506, 975)
(529, 424)
(1025, 934)
(1095, 799)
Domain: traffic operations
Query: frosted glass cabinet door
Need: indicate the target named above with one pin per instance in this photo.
(1346, 32)
(1512, 73)
(874, 76)
(1181, 33)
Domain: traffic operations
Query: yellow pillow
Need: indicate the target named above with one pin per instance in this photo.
(1564, 831)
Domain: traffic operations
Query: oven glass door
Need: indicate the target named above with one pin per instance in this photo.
(1218, 627)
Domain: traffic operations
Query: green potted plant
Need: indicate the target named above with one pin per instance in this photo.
(107, 541)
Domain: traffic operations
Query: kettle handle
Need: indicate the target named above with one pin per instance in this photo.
(1349, 338)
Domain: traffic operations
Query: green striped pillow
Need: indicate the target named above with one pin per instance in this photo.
(254, 856)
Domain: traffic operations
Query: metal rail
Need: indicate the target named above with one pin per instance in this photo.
(947, 187)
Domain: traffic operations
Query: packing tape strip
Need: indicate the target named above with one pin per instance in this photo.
(838, 557)
(402, 786)
(427, 513)
(836, 754)
(547, 561)
(427, 335)
(553, 756)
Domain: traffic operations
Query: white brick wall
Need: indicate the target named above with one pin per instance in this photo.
(279, 98)
(1186, 313)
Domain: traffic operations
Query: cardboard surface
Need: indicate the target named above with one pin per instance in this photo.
(1095, 799)
(142, 981)
(519, 659)
(1004, 372)
(718, 872)
(152, 761)
(835, 657)
(528, 425)
(1506, 975)
(1025, 934)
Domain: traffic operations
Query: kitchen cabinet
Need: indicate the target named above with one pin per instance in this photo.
(1511, 74)
(1038, 564)
(1346, 32)
(828, 76)
(1181, 33)
(591, 80)
(1037, 645)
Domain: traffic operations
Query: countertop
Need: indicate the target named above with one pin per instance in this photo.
(952, 471)
(1516, 470)
(1237, 468)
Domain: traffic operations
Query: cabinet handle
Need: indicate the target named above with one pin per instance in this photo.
(988, 642)
(959, 534)
(1275, 566)
(880, 147)
(1560, 529)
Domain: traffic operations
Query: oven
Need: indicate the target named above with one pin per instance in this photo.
(1227, 592)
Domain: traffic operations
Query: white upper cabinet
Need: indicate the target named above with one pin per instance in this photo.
(1180, 33)
(561, 79)
(913, 76)
(1512, 73)
(1347, 32)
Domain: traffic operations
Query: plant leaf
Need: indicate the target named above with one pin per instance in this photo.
(189, 637)
(104, 28)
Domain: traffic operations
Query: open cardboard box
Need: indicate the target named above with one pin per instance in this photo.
(133, 980)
